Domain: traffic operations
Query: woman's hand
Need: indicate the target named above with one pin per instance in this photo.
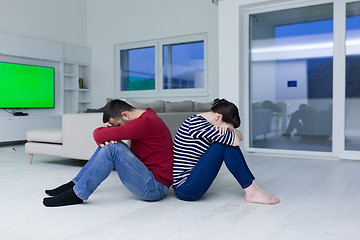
(224, 128)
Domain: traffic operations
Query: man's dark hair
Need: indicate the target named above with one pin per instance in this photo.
(114, 108)
(228, 110)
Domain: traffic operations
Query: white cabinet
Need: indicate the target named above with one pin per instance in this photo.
(15, 128)
(77, 87)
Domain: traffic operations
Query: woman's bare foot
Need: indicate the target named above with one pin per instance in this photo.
(254, 194)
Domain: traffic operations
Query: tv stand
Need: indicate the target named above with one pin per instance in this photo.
(20, 114)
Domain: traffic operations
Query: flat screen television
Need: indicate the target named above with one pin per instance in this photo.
(26, 86)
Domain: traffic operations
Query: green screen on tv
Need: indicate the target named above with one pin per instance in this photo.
(26, 86)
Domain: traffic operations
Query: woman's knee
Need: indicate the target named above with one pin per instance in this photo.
(217, 145)
(224, 147)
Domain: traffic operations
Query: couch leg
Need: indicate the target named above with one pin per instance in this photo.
(30, 158)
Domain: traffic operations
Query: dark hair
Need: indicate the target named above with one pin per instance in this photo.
(302, 106)
(114, 108)
(228, 110)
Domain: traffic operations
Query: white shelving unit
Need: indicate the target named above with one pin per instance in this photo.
(77, 98)
(71, 62)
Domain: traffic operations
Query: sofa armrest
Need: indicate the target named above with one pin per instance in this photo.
(78, 130)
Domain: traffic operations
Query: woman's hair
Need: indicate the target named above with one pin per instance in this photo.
(114, 108)
(228, 110)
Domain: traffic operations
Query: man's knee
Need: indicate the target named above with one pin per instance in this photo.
(113, 149)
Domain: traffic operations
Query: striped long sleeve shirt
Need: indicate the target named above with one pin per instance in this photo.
(192, 140)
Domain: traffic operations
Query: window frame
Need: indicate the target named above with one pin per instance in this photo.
(159, 68)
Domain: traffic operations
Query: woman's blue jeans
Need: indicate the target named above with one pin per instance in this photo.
(206, 169)
(132, 172)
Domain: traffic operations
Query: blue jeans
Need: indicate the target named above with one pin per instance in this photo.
(206, 169)
(132, 172)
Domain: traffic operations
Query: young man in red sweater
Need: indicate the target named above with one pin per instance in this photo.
(145, 168)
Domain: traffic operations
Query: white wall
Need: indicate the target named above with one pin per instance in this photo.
(112, 22)
(56, 20)
(263, 84)
(102, 24)
(297, 69)
(269, 80)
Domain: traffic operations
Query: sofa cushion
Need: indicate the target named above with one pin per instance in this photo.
(44, 135)
(44, 149)
(157, 106)
(173, 120)
(135, 104)
(184, 106)
(202, 107)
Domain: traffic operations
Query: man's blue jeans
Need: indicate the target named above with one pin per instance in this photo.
(132, 172)
(204, 172)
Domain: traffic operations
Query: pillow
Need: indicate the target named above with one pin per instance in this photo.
(257, 105)
(135, 104)
(202, 107)
(184, 106)
(157, 105)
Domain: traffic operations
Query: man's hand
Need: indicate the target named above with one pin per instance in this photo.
(107, 143)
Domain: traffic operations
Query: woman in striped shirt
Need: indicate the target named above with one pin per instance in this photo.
(201, 144)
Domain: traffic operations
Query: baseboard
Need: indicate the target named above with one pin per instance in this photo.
(10, 143)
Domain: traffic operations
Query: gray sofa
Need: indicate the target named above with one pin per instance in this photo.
(173, 113)
(264, 115)
(75, 139)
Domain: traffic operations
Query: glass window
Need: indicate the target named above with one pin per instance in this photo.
(160, 66)
(291, 77)
(137, 69)
(183, 65)
(352, 103)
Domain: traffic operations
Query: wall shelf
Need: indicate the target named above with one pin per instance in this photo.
(77, 94)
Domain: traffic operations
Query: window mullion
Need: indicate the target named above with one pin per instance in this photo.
(339, 77)
(158, 68)
(169, 68)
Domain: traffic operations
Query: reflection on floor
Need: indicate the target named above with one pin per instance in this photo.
(352, 143)
(276, 141)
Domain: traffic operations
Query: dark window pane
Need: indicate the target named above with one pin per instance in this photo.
(183, 65)
(137, 69)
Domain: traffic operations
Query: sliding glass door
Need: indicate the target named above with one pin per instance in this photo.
(352, 104)
(291, 79)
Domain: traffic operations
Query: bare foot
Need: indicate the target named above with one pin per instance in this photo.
(254, 194)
